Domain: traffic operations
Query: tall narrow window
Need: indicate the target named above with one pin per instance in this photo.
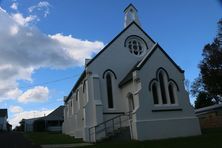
(109, 90)
(172, 97)
(162, 88)
(84, 86)
(77, 100)
(155, 95)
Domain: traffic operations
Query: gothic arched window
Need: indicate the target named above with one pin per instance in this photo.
(77, 100)
(109, 90)
(172, 93)
(162, 87)
(155, 93)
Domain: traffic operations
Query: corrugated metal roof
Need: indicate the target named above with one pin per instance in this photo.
(57, 114)
(208, 109)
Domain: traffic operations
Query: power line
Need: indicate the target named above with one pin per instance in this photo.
(48, 82)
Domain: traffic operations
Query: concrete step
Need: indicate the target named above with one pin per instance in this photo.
(122, 134)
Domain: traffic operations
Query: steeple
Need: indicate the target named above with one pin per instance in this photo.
(131, 15)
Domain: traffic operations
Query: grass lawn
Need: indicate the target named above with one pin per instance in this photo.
(50, 138)
(211, 138)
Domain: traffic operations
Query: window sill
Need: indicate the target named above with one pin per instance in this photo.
(167, 109)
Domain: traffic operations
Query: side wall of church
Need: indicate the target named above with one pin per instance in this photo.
(163, 120)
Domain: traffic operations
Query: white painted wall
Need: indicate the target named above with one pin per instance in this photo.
(92, 107)
(163, 124)
(120, 60)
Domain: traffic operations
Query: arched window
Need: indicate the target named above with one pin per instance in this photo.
(155, 93)
(84, 86)
(136, 45)
(162, 87)
(171, 93)
(109, 90)
(77, 100)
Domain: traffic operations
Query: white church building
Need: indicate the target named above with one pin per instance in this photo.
(131, 87)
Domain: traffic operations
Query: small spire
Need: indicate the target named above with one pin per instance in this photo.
(131, 15)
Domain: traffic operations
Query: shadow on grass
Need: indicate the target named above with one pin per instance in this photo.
(51, 138)
(210, 138)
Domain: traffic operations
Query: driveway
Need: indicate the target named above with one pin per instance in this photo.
(15, 140)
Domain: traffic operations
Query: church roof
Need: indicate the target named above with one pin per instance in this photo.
(208, 109)
(82, 76)
(57, 114)
(129, 76)
(141, 63)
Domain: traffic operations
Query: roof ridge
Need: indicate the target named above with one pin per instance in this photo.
(147, 55)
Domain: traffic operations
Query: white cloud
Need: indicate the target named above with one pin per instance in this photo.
(14, 30)
(15, 109)
(76, 48)
(60, 100)
(36, 94)
(25, 49)
(21, 20)
(41, 6)
(17, 117)
(14, 6)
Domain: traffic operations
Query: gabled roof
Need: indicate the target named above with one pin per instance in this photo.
(141, 63)
(116, 38)
(57, 114)
(129, 76)
(3, 113)
(30, 120)
(82, 76)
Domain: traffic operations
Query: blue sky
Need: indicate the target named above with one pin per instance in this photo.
(44, 41)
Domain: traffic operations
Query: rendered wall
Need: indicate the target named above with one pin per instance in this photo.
(163, 121)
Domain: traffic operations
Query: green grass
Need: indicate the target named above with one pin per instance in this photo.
(50, 138)
(211, 138)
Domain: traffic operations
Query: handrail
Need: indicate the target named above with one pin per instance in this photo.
(113, 123)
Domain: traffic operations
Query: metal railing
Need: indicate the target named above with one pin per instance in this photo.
(109, 126)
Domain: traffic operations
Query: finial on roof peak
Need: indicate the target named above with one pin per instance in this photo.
(130, 5)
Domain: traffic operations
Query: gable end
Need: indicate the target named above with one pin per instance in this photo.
(116, 38)
(140, 65)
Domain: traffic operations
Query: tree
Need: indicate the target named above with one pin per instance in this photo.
(203, 100)
(219, 36)
(211, 70)
(207, 88)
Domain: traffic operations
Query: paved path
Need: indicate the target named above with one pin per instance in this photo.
(66, 145)
(15, 140)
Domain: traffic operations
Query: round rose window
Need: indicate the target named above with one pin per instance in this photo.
(136, 46)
